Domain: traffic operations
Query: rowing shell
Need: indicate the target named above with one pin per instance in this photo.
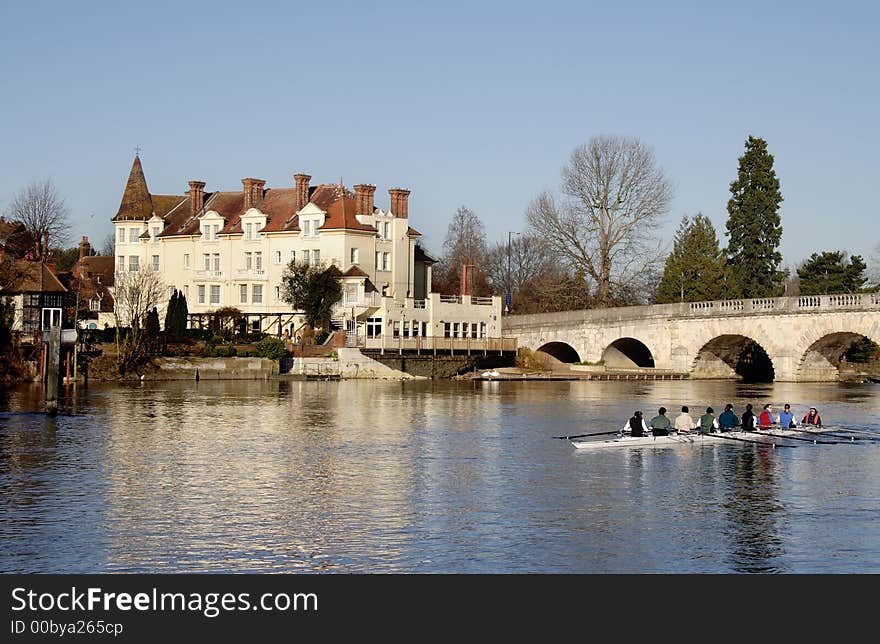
(675, 439)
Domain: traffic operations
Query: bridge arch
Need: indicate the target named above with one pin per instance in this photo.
(821, 360)
(562, 351)
(733, 356)
(627, 353)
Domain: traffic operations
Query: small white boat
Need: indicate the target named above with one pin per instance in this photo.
(694, 438)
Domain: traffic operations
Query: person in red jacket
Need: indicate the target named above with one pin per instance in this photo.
(766, 420)
(812, 418)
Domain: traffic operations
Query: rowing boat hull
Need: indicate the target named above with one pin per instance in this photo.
(675, 439)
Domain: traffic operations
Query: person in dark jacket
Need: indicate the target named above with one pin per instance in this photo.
(636, 425)
(812, 418)
(708, 422)
(748, 419)
(728, 421)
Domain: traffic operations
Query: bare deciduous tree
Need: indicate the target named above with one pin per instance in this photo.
(135, 294)
(108, 247)
(529, 259)
(465, 242)
(44, 215)
(613, 196)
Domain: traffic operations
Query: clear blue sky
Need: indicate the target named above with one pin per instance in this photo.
(464, 103)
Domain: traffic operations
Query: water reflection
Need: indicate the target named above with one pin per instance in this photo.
(421, 477)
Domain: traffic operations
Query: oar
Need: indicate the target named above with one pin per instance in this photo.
(799, 438)
(583, 435)
(745, 440)
(844, 430)
(844, 434)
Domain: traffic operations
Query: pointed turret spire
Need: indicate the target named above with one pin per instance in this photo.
(136, 205)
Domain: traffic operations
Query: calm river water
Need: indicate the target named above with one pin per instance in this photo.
(426, 477)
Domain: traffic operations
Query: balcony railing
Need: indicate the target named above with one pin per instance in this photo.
(434, 343)
(209, 275)
(252, 273)
(365, 300)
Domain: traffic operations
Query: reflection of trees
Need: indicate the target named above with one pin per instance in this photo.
(754, 511)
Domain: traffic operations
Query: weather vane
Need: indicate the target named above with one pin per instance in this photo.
(137, 151)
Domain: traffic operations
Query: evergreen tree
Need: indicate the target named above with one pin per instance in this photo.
(697, 269)
(829, 273)
(182, 315)
(151, 326)
(171, 313)
(313, 290)
(754, 227)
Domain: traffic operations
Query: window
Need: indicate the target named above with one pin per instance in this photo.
(133, 235)
(305, 256)
(316, 257)
(120, 235)
(207, 257)
(186, 260)
(474, 332)
(293, 256)
(482, 329)
(215, 294)
(306, 227)
(134, 263)
(154, 232)
(201, 294)
(248, 261)
(415, 329)
(354, 256)
(249, 231)
(277, 292)
(186, 291)
(386, 261)
(95, 304)
(456, 329)
(396, 329)
(255, 326)
(378, 261)
(257, 293)
(242, 293)
(277, 256)
(374, 327)
(120, 263)
(217, 262)
(155, 262)
(258, 261)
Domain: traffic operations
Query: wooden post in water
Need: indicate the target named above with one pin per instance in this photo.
(53, 366)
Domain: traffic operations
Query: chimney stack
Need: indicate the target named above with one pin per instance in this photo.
(399, 202)
(302, 190)
(363, 199)
(196, 197)
(253, 192)
(84, 247)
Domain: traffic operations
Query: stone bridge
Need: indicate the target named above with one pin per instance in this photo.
(795, 339)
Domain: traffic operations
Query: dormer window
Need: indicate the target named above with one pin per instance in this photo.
(210, 232)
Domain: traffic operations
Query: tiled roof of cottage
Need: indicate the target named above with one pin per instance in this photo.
(34, 277)
(100, 268)
(354, 271)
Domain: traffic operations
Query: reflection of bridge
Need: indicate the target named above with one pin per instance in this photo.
(798, 338)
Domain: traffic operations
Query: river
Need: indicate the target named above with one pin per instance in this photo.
(426, 477)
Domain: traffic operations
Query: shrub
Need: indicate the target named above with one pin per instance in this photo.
(321, 336)
(271, 348)
(532, 360)
(242, 353)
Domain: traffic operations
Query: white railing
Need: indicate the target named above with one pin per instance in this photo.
(434, 343)
(481, 301)
(450, 299)
(419, 304)
(367, 300)
(252, 273)
(209, 275)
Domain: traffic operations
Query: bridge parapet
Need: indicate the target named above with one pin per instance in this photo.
(713, 308)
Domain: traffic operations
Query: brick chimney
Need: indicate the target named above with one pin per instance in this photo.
(84, 247)
(253, 191)
(301, 182)
(399, 202)
(196, 197)
(363, 199)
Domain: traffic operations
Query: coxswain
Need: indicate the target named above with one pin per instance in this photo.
(812, 418)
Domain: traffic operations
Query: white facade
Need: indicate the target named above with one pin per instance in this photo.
(238, 261)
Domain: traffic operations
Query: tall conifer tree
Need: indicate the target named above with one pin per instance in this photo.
(697, 269)
(171, 312)
(754, 228)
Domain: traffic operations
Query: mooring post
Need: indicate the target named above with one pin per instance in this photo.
(53, 366)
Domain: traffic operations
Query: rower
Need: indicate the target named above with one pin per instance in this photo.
(748, 419)
(786, 417)
(728, 420)
(635, 426)
(766, 420)
(683, 422)
(708, 422)
(812, 418)
(660, 424)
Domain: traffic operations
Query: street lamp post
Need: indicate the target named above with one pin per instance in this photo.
(508, 295)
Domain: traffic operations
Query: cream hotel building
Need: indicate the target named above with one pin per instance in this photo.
(230, 249)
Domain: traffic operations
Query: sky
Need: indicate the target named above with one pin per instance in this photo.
(464, 103)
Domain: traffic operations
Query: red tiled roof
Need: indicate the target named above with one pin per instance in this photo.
(136, 204)
(340, 216)
(354, 271)
(279, 206)
(34, 277)
(100, 268)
